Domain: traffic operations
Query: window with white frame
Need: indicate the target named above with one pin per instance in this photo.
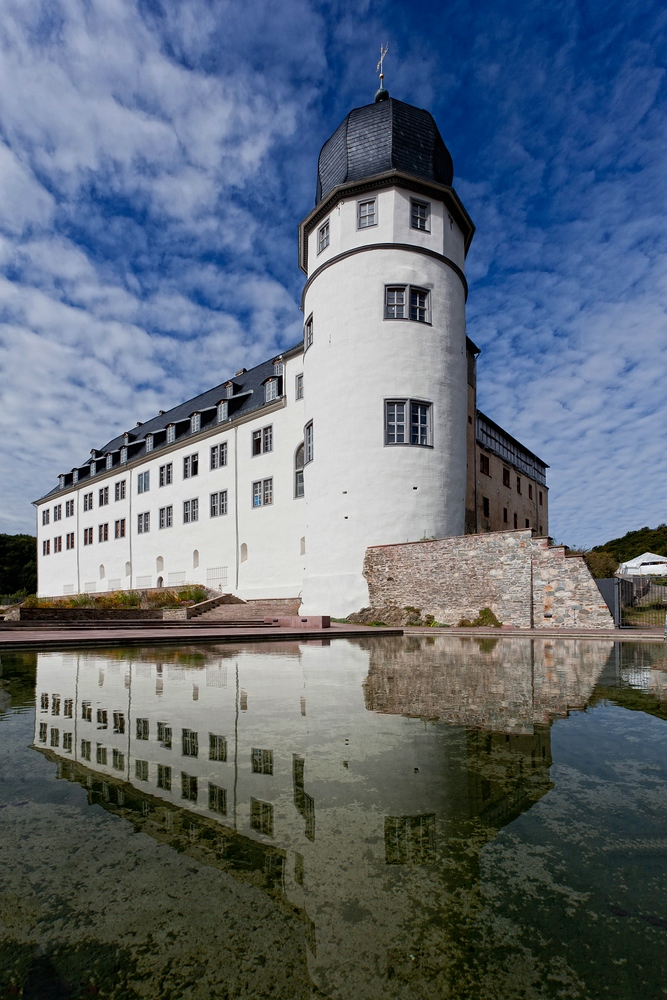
(119, 528)
(69, 508)
(420, 212)
(58, 512)
(143, 482)
(308, 443)
(143, 523)
(61, 482)
(119, 490)
(323, 237)
(166, 474)
(223, 411)
(190, 510)
(407, 302)
(219, 455)
(103, 499)
(262, 440)
(229, 389)
(191, 466)
(298, 472)
(166, 517)
(366, 213)
(123, 455)
(109, 461)
(408, 421)
(278, 368)
(298, 386)
(262, 493)
(149, 442)
(171, 433)
(46, 516)
(75, 475)
(195, 423)
(219, 503)
(271, 390)
(308, 333)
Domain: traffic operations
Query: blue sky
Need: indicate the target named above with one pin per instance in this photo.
(156, 157)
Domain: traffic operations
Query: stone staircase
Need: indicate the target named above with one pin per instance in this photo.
(251, 611)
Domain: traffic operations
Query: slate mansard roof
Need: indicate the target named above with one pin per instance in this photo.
(388, 135)
(248, 396)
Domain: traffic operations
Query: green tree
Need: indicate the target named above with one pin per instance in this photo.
(601, 564)
(18, 564)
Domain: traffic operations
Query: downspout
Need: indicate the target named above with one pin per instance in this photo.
(78, 546)
(129, 527)
(236, 503)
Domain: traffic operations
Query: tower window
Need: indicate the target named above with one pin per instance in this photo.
(397, 297)
(408, 421)
(516, 521)
(308, 443)
(298, 387)
(298, 472)
(308, 333)
(530, 491)
(323, 237)
(366, 214)
(394, 302)
(420, 215)
(540, 498)
(419, 303)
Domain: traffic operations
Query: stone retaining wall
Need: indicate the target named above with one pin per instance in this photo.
(524, 581)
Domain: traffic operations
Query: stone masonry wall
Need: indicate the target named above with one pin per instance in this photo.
(522, 580)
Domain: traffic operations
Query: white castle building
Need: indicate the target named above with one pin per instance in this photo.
(274, 483)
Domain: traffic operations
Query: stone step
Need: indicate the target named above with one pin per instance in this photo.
(252, 610)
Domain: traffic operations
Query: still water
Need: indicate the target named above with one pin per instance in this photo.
(381, 818)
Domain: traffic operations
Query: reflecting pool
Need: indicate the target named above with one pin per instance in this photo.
(417, 817)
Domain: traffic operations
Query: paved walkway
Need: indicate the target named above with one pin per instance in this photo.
(617, 635)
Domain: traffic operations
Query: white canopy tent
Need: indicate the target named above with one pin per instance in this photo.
(648, 564)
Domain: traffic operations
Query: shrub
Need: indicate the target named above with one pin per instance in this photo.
(193, 593)
(601, 564)
(485, 619)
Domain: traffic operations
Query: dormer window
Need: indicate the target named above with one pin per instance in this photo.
(229, 390)
(223, 411)
(323, 237)
(270, 390)
(123, 455)
(109, 462)
(195, 423)
(61, 480)
(171, 433)
(149, 442)
(75, 475)
(93, 468)
(278, 368)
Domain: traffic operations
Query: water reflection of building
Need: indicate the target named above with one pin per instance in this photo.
(272, 767)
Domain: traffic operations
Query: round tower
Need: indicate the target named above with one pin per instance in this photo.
(385, 382)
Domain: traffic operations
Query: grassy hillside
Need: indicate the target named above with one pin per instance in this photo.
(635, 543)
(18, 564)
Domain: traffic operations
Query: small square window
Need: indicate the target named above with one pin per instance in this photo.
(420, 215)
(366, 214)
(323, 237)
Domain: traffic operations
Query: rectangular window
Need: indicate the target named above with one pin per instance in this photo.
(68, 708)
(102, 718)
(44, 701)
(298, 387)
(141, 770)
(166, 517)
(217, 747)
(270, 390)
(85, 749)
(308, 443)
(58, 512)
(143, 482)
(118, 760)
(109, 462)
(419, 215)
(190, 741)
(190, 511)
(123, 455)
(164, 735)
(58, 544)
(518, 484)
(420, 432)
(262, 492)
(419, 302)
(366, 214)
(149, 442)
(166, 474)
(262, 440)
(308, 332)
(527, 523)
(219, 455)
(506, 477)
(190, 466)
(103, 532)
(395, 423)
(540, 498)
(67, 742)
(219, 503)
(396, 412)
(261, 817)
(46, 516)
(104, 496)
(484, 465)
(486, 507)
(43, 730)
(87, 501)
(55, 737)
(86, 711)
(70, 540)
(171, 433)
(394, 302)
(46, 546)
(143, 523)
(119, 528)
(164, 777)
(188, 787)
(229, 389)
(69, 508)
(195, 423)
(119, 490)
(505, 515)
(119, 723)
(516, 521)
(217, 799)
(530, 491)
(101, 754)
(55, 704)
(223, 411)
(323, 237)
(262, 761)
(87, 536)
(142, 729)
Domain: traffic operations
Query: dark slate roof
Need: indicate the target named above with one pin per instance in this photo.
(248, 397)
(387, 135)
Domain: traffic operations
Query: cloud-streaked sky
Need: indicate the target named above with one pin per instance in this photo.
(156, 158)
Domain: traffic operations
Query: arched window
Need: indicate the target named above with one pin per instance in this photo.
(128, 568)
(160, 582)
(159, 564)
(244, 552)
(102, 574)
(303, 546)
(195, 559)
(298, 471)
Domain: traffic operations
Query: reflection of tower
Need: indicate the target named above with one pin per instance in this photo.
(385, 349)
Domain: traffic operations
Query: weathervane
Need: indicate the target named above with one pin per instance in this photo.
(382, 93)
